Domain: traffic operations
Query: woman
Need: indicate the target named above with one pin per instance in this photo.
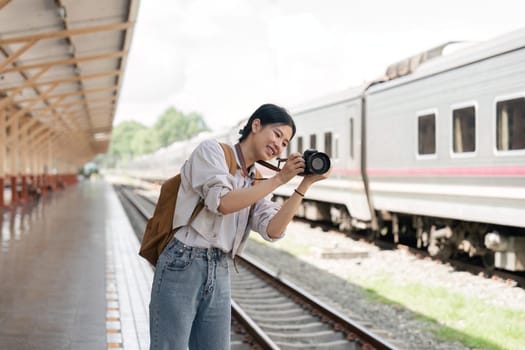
(190, 298)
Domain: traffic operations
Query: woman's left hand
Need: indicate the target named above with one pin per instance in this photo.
(310, 179)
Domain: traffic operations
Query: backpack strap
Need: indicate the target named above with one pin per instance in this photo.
(230, 158)
(232, 166)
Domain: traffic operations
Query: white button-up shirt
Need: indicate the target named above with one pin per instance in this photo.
(206, 175)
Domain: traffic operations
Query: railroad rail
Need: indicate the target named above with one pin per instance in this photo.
(272, 313)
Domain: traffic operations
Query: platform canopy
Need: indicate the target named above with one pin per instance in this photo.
(61, 71)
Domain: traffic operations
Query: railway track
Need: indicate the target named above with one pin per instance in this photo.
(459, 263)
(271, 313)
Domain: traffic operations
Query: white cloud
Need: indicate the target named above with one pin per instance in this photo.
(225, 58)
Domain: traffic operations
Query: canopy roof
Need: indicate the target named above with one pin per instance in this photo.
(61, 70)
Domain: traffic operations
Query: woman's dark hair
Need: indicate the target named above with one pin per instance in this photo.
(268, 114)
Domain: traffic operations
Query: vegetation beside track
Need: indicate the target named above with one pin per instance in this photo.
(449, 315)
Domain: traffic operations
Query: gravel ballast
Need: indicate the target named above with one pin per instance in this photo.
(332, 267)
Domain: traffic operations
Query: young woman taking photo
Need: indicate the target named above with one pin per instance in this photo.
(190, 299)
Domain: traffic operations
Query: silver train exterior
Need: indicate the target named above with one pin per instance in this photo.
(436, 152)
(433, 152)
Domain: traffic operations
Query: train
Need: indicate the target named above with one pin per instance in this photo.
(432, 153)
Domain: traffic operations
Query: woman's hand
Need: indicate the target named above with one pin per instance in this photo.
(310, 179)
(293, 166)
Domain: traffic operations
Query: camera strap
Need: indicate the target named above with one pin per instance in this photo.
(241, 159)
(268, 165)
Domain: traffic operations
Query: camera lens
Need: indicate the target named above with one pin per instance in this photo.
(319, 163)
(315, 162)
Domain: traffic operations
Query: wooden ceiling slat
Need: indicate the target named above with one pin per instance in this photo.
(25, 109)
(12, 57)
(56, 103)
(67, 33)
(3, 3)
(34, 142)
(83, 102)
(26, 126)
(25, 84)
(66, 80)
(115, 54)
(67, 127)
(74, 93)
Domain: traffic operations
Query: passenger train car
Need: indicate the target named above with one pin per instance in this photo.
(433, 152)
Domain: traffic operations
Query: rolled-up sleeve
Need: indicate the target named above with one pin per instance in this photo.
(263, 213)
(209, 175)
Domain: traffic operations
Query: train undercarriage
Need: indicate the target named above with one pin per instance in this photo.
(495, 246)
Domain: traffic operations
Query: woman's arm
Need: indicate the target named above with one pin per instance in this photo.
(283, 217)
(238, 199)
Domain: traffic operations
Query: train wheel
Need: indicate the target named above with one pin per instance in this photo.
(446, 252)
(371, 234)
(441, 251)
(489, 262)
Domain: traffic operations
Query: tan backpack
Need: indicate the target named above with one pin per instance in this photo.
(159, 230)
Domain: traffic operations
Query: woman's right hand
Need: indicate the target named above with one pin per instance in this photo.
(293, 166)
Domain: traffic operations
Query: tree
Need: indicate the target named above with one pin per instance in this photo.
(145, 141)
(173, 126)
(122, 139)
(130, 139)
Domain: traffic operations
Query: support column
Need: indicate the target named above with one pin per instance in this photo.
(14, 192)
(3, 153)
(25, 166)
(24, 195)
(14, 155)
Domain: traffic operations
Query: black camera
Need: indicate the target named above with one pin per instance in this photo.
(315, 162)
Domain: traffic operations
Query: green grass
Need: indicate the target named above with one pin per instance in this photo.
(451, 316)
(295, 247)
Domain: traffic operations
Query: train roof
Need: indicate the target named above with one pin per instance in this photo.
(473, 53)
(431, 62)
(329, 99)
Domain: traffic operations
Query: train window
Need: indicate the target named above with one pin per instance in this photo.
(464, 129)
(510, 124)
(351, 137)
(426, 134)
(300, 144)
(313, 141)
(328, 143)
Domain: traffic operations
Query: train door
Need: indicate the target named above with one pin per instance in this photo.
(357, 199)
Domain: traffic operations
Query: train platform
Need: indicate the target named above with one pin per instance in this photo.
(70, 274)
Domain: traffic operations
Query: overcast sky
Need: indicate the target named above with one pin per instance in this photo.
(225, 58)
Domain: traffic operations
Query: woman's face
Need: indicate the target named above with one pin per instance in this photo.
(270, 139)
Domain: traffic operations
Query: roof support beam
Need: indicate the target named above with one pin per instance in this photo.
(11, 58)
(24, 110)
(74, 93)
(25, 84)
(26, 126)
(83, 102)
(66, 33)
(32, 83)
(3, 3)
(115, 54)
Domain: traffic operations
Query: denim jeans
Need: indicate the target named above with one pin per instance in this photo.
(190, 299)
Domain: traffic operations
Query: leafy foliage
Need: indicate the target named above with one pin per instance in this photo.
(123, 141)
(131, 139)
(173, 126)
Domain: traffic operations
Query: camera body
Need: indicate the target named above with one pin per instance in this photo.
(315, 162)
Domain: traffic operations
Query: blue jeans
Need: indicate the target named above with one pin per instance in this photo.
(190, 299)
